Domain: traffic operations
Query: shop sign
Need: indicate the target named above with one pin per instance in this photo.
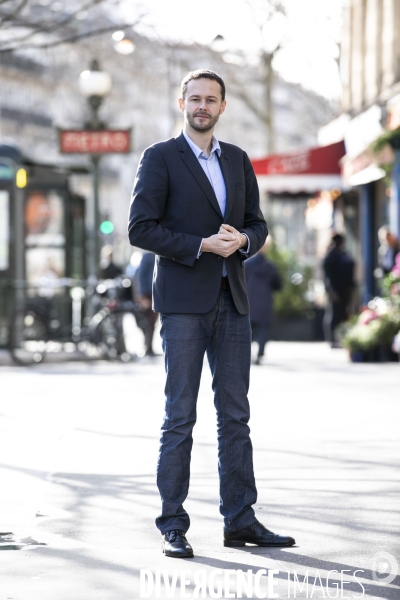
(95, 142)
(312, 161)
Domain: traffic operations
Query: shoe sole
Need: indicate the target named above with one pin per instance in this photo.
(176, 555)
(171, 555)
(239, 543)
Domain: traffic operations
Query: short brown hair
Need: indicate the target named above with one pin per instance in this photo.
(202, 74)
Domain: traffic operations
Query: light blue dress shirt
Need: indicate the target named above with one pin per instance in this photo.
(211, 168)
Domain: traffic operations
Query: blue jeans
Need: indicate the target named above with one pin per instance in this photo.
(226, 337)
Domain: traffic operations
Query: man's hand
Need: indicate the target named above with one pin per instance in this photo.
(225, 242)
(242, 238)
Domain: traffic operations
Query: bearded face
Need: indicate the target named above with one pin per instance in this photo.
(203, 104)
(200, 120)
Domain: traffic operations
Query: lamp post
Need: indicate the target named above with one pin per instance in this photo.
(219, 44)
(94, 85)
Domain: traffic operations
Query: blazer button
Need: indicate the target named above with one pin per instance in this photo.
(219, 258)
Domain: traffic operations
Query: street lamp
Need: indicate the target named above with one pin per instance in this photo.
(122, 44)
(219, 44)
(95, 84)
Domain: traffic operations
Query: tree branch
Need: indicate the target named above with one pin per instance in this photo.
(15, 13)
(52, 25)
(72, 39)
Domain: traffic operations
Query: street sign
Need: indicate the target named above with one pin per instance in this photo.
(80, 141)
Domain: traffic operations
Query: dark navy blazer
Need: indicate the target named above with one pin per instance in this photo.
(174, 206)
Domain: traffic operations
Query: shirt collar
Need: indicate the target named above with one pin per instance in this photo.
(197, 151)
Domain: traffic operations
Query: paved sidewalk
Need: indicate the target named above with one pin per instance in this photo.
(78, 448)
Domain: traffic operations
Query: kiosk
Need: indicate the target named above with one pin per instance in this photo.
(42, 232)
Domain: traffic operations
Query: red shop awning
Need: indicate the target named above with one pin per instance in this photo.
(308, 170)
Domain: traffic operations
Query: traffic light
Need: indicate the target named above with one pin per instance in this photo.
(107, 227)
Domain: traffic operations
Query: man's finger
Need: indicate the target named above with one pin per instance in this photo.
(228, 227)
(225, 235)
(230, 248)
(224, 229)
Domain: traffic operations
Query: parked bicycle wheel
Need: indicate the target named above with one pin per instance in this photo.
(117, 334)
(28, 336)
(108, 335)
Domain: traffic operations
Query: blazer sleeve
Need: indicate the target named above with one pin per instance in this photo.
(255, 226)
(149, 201)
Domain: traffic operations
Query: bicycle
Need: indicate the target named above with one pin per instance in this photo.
(108, 327)
(66, 313)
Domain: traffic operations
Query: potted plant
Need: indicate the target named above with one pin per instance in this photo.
(296, 319)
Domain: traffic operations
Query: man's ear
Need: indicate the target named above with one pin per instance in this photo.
(223, 106)
(181, 104)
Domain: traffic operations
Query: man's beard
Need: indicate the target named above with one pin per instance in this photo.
(207, 125)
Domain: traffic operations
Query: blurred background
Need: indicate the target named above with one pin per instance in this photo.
(313, 97)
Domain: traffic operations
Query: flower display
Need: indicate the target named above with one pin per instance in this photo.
(378, 324)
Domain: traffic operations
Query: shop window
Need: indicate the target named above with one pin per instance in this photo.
(45, 237)
(4, 230)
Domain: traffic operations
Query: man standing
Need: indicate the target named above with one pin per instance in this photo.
(196, 206)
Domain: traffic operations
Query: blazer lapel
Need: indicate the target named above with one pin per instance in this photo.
(227, 172)
(193, 165)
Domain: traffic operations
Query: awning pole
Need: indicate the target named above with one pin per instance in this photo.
(367, 233)
(394, 204)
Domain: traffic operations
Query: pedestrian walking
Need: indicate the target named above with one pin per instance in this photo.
(195, 205)
(145, 296)
(339, 282)
(262, 280)
(108, 268)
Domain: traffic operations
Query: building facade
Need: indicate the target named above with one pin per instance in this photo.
(369, 124)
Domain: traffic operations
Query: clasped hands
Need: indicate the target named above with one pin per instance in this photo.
(225, 242)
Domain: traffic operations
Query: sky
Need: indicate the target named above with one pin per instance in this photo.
(308, 34)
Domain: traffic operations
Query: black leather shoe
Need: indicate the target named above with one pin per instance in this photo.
(256, 534)
(175, 544)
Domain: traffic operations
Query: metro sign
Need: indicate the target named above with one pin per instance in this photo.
(80, 141)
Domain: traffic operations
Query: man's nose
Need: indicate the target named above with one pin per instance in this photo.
(202, 103)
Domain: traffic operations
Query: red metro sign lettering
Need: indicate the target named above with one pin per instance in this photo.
(95, 142)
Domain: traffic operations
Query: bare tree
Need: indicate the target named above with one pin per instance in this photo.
(31, 24)
(264, 12)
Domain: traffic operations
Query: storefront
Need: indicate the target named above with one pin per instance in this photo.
(298, 192)
(371, 175)
(300, 195)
